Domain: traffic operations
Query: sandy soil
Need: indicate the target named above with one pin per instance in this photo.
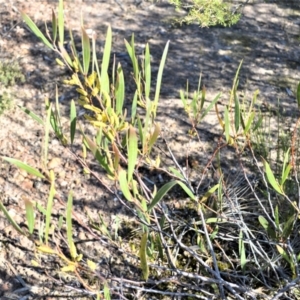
(266, 39)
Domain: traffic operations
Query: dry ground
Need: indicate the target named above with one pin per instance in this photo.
(267, 39)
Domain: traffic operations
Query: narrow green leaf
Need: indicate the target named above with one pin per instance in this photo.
(242, 251)
(49, 207)
(210, 106)
(176, 172)
(41, 209)
(105, 61)
(160, 245)
(73, 119)
(161, 193)
(147, 70)
(227, 124)
(86, 51)
(65, 55)
(106, 292)
(61, 21)
(54, 27)
(140, 128)
(298, 95)
(36, 31)
(120, 90)
(271, 178)
(32, 115)
(47, 129)
(286, 173)
(131, 51)
(263, 222)
(72, 247)
(124, 184)
(154, 136)
(283, 253)
(258, 123)
(276, 213)
(132, 149)
(187, 190)
(288, 227)
(29, 215)
(209, 193)
(235, 83)
(249, 122)
(143, 256)
(237, 112)
(10, 219)
(286, 168)
(23, 166)
(159, 76)
(134, 107)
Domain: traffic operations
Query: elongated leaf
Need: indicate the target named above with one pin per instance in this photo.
(35, 30)
(176, 172)
(286, 173)
(249, 122)
(102, 159)
(54, 27)
(131, 51)
(147, 70)
(50, 117)
(161, 193)
(263, 222)
(237, 112)
(143, 256)
(187, 190)
(49, 207)
(288, 227)
(10, 219)
(32, 115)
(29, 215)
(124, 185)
(286, 168)
(106, 292)
(86, 51)
(159, 76)
(258, 123)
(210, 106)
(61, 22)
(132, 151)
(219, 117)
(134, 107)
(120, 90)
(65, 54)
(283, 253)
(46, 249)
(271, 178)
(276, 213)
(209, 193)
(105, 61)
(73, 119)
(72, 248)
(235, 83)
(154, 136)
(23, 166)
(227, 124)
(242, 251)
(298, 95)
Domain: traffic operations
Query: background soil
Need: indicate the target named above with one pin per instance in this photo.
(266, 38)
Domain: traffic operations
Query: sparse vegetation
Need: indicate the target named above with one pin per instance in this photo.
(235, 237)
(207, 13)
(10, 74)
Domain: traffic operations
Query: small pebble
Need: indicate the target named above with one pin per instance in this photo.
(54, 162)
